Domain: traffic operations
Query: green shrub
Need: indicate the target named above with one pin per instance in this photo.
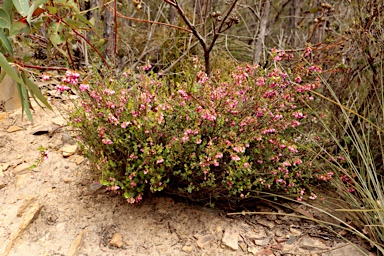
(213, 138)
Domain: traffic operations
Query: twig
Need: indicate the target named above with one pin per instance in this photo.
(38, 67)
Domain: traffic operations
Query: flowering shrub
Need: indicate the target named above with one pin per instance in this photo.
(220, 136)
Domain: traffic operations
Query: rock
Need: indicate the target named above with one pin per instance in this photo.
(3, 168)
(262, 242)
(3, 116)
(266, 223)
(291, 240)
(60, 227)
(22, 168)
(243, 246)
(219, 229)
(277, 247)
(24, 206)
(3, 183)
(253, 250)
(60, 121)
(14, 129)
(230, 239)
(308, 243)
(278, 233)
(29, 215)
(116, 240)
(346, 249)
(295, 232)
(69, 150)
(204, 241)
(187, 248)
(94, 188)
(79, 160)
(67, 139)
(76, 244)
(266, 252)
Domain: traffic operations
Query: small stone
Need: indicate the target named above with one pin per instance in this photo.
(76, 244)
(14, 129)
(24, 206)
(266, 223)
(262, 242)
(79, 160)
(266, 252)
(230, 239)
(3, 116)
(278, 233)
(243, 246)
(67, 139)
(308, 243)
(3, 183)
(253, 250)
(277, 247)
(60, 227)
(219, 229)
(60, 121)
(116, 240)
(295, 232)
(67, 180)
(3, 168)
(22, 168)
(291, 240)
(69, 150)
(128, 243)
(187, 248)
(94, 188)
(204, 241)
(346, 249)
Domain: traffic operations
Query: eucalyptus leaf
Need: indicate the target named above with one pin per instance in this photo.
(5, 42)
(18, 28)
(34, 6)
(25, 103)
(7, 5)
(5, 20)
(56, 34)
(35, 90)
(9, 70)
(22, 6)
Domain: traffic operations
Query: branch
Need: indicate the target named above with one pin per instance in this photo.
(37, 67)
(189, 23)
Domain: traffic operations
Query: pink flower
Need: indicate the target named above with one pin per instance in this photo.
(159, 161)
(84, 87)
(313, 196)
(45, 77)
(106, 141)
(198, 141)
(235, 157)
(133, 184)
(246, 165)
(292, 149)
(147, 67)
(298, 79)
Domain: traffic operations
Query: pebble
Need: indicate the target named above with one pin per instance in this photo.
(76, 244)
(295, 232)
(187, 248)
(3, 183)
(14, 129)
(79, 160)
(230, 239)
(262, 242)
(60, 121)
(266, 223)
(22, 168)
(3, 116)
(308, 243)
(203, 241)
(69, 150)
(117, 240)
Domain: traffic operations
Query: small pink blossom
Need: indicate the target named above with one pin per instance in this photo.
(84, 87)
(159, 161)
(45, 77)
(235, 157)
(313, 196)
(106, 141)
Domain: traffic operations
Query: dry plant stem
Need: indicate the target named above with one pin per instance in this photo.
(23, 65)
(151, 22)
(93, 47)
(216, 32)
(115, 30)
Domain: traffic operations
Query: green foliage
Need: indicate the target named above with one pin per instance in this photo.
(19, 20)
(204, 139)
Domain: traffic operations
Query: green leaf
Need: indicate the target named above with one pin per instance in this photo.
(35, 90)
(2, 75)
(52, 10)
(25, 103)
(84, 20)
(5, 42)
(7, 5)
(34, 6)
(5, 20)
(56, 34)
(18, 28)
(22, 6)
(76, 24)
(314, 9)
(9, 70)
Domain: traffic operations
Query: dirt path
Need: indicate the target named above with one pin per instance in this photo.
(57, 209)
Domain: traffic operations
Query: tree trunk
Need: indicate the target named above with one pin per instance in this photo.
(259, 45)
